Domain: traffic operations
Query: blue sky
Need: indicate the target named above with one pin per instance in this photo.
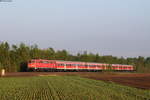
(107, 27)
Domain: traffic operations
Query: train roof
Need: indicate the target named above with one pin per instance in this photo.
(63, 61)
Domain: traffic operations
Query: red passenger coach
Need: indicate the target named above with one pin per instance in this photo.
(55, 65)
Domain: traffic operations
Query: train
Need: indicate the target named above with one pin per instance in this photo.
(60, 65)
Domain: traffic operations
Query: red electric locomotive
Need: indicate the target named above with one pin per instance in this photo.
(55, 65)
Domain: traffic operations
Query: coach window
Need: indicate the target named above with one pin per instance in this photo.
(51, 62)
(40, 61)
(46, 62)
(73, 65)
(61, 64)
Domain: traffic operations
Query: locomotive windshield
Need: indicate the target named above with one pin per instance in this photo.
(31, 61)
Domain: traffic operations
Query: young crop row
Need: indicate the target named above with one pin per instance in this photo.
(66, 88)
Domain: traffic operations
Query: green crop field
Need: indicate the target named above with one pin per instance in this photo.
(66, 88)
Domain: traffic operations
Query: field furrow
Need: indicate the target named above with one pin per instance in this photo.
(66, 88)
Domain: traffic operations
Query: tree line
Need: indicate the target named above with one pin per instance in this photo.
(13, 58)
